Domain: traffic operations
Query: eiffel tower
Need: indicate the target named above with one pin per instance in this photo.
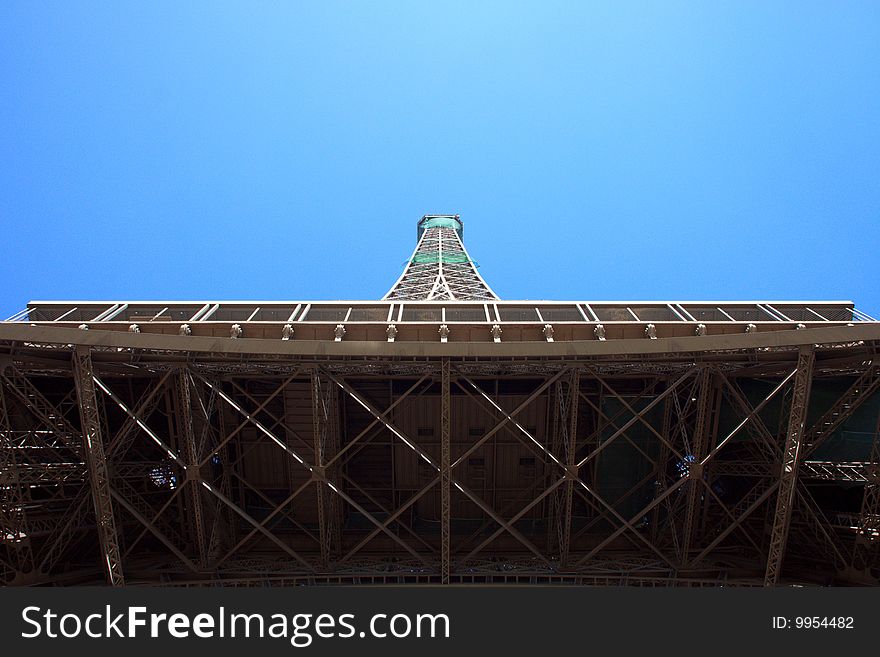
(439, 435)
(440, 268)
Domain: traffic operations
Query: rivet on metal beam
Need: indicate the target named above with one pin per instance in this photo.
(548, 332)
(700, 330)
(184, 330)
(444, 333)
(496, 333)
(599, 332)
(339, 332)
(651, 332)
(287, 332)
(751, 328)
(134, 328)
(235, 331)
(391, 332)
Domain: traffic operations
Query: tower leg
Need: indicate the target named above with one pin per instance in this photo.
(445, 475)
(93, 445)
(790, 462)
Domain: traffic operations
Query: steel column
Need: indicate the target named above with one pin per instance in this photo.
(570, 445)
(695, 469)
(93, 445)
(660, 468)
(14, 532)
(445, 477)
(790, 461)
(325, 418)
(193, 472)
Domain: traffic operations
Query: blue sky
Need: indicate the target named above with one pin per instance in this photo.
(285, 150)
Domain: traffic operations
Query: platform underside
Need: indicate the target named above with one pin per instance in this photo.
(727, 459)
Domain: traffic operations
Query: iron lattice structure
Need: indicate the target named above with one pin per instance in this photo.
(440, 267)
(440, 441)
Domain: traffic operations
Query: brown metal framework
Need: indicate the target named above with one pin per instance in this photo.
(131, 458)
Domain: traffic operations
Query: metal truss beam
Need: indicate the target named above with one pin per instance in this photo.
(753, 499)
(761, 435)
(563, 429)
(507, 417)
(629, 524)
(357, 442)
(752, 421)
(790, 463)
(650, 353)
(383, 419)
(868, 532)
(570, 444)
(638, 416)
(424, 456)
(604, 423)
(151, 527)
(325, 418)
(520, 433)
(821, 536)
(603, 513)
(263, 409)
(695, 487)
(162, 444)
(51, 416)
(65, 531)
(508, 524)
(14, 529)
(130, 498)
(193, 472)
(260, 526)
(122, 441)
(557, 523)
(445, 471)
(252, 419)
(392, 516)
(661, 480)
(285, 513)
(93, 446)
(257, 525)
(391, 519)
(860, 391)
(384, 527)
(859, 472)
(854, 472)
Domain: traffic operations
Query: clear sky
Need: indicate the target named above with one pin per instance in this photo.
(258, 150)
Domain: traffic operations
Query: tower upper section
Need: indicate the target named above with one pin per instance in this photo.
(440, 267)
